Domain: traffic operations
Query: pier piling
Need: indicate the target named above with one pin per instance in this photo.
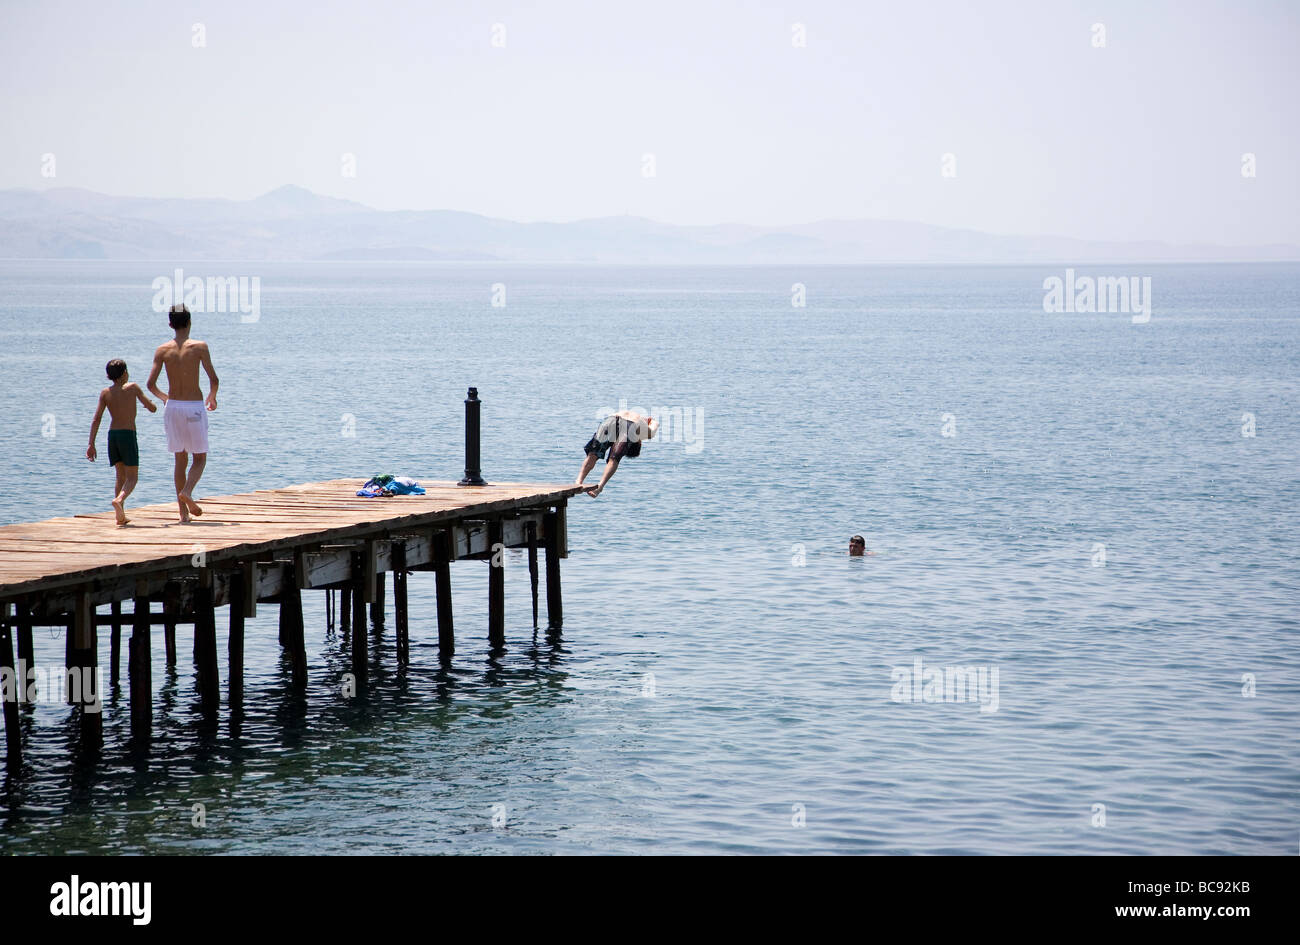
(69, 660)
(283, 632)
(73, 655)
(442, 575)
(139, 669)
(399, 603)
(13, 738)
(358, 616)
(23, 619)
(532, 566)
(205, 648)
(291, 624)
(554, 599)
(115, 641)
(171, 609)
(236, 592)
(85, 646)
(496, 586)
(377, 605)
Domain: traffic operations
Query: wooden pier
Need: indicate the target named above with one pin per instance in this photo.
(258, 547)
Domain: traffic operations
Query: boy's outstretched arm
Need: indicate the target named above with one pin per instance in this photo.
(94, 425)
(152, 383)
(611, 466)
(149, 404)
(205, 358)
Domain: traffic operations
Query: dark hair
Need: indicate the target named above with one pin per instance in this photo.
(179, 317)
(115, 369)
(857, 540)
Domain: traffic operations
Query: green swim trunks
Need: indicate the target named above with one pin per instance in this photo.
(123, 448)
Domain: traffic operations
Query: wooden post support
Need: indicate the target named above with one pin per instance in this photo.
(23, 618)
(69, 658)
(171, 609)
(237, 592)
(442, 573)
(250, 589)
(115, 642)
(377, 605)
(292, 630)
(532, 566)
(299, 568)
(205, 648)
(359, 615)
(551, 522)
(75, 657)
(399, 603)
(282, 623)
(496, 585)
(139, 669)
(13, 738)
(282, 637)
(371, 571)
(345, 611)
(86, 646)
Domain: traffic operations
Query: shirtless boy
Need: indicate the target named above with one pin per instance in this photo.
(619, 435)
(184, 415)
(123, 450)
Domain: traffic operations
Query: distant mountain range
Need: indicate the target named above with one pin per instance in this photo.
(291, 223)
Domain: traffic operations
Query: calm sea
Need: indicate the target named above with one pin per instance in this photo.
(1064, 500)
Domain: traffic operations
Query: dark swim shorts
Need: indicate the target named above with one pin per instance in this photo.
(123, 448)
(613, 433)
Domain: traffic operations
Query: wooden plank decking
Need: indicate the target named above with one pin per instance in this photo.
(62, 552)
(268, 545)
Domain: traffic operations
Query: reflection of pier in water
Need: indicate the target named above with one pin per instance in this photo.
(260, 547)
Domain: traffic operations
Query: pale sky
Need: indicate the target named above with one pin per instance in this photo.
(1141, 139)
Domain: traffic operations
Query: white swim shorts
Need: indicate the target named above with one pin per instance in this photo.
(186, 422)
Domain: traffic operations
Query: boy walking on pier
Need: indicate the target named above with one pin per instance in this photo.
(123, 450)
(185, 416)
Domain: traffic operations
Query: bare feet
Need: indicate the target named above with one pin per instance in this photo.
(189, 504)
(593, 491)
(119, 510)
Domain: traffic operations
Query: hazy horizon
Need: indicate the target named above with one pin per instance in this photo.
(1141, 139)
(715, 223)
(291, 223)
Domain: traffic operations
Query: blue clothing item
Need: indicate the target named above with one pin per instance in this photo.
(404, 486)
(385, 486)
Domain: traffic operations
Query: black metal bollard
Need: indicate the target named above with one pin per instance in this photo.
(472, 471)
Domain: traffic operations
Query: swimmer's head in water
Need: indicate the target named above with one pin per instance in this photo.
(179, 317)
(115, 369)
(857, 545)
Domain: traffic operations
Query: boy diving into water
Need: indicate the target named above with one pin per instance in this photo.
(123, 450)
(619, 435)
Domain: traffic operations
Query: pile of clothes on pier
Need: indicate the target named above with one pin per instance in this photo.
(385, 486)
